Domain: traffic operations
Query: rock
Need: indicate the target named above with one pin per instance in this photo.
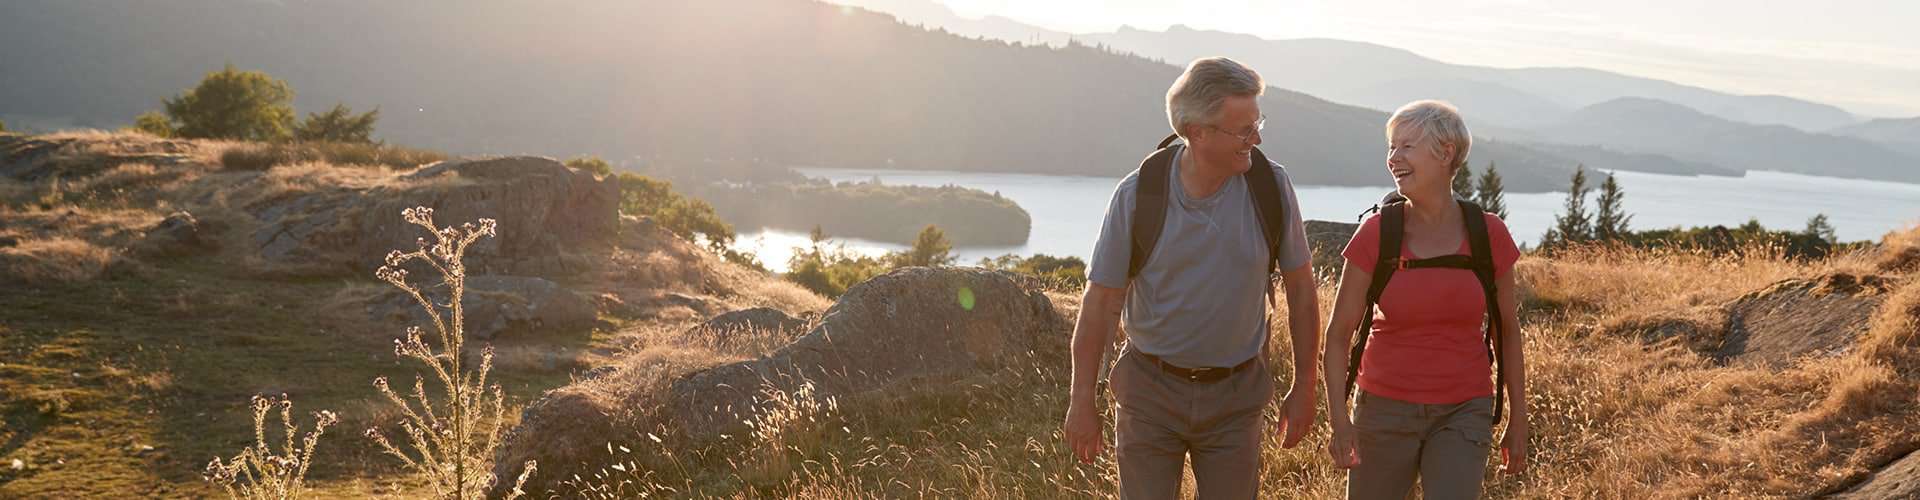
(1900, 479)
(497, 305)
(546, 212)
(758, 318)
(1794, 318)
(910, 326)
(178, 234)
(1326, 239)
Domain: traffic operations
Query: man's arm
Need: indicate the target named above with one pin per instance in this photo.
(1303, 325)
(1093, 333)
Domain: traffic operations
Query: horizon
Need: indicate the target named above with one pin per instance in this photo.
(1861, 62)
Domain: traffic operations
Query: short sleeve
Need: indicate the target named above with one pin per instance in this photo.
(1114, 249)
(1363, 250)
(1295, 253)
(1505, 252)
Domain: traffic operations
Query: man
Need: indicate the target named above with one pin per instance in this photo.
(1192, 380)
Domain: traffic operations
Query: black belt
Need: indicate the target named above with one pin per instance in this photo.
(1213, 374)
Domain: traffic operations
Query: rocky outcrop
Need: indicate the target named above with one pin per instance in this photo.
(909, 326)
(496, 305)
(545, 211)
(1326, 239)
(178, 234)
(1772, 327)
(1900, 479)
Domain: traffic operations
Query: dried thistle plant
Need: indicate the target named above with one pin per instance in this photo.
(257, 472)
(450, 441)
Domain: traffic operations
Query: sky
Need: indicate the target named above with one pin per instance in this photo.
(1863, 56)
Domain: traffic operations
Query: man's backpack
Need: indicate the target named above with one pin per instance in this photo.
(1392, 228)
(1150, 205)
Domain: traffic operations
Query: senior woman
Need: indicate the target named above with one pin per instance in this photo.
(1426, 401)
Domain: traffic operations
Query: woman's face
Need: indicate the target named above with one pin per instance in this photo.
(1416, 164)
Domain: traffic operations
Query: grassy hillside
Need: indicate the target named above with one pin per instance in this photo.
(122, 373)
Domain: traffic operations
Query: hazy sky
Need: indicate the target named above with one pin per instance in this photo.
(1861, 55)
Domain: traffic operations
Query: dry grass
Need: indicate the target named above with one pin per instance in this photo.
(263, 156)
(54, 260)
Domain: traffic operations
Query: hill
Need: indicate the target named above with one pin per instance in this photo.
(787, 82)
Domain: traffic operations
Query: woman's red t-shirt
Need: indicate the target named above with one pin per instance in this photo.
(1427, 345)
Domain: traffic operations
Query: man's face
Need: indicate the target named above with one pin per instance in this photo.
(1227, 141)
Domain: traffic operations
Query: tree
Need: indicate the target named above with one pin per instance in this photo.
(930, 248)
(3, 125)
(1818, 227)
(338, 125)
(233, 104)
(154, 124)
(1490, 194)
(1573, 225)
(1463, 182)
(1610, 223)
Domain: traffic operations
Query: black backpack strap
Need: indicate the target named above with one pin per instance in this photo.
(1392, 228)
(1482, 265)
(1271, 206)
(1150, 204)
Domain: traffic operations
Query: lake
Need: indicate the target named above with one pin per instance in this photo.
(1067, 210)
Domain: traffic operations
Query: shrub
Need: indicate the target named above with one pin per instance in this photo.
(231, 104)
(337, 125)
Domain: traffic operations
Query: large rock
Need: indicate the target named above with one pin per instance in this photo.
(1326, 239)
(909, 326)
(757, 318)
(497, 305)
(1822, 316)
(178, 234)
(1900, 479)
(544, 209)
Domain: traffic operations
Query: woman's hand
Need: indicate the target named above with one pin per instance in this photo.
(1513, 446)
(1345, 445)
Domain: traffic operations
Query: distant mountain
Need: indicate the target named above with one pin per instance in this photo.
(1383, 78)
(1899, 134)
(1642, 125)
(787, 82)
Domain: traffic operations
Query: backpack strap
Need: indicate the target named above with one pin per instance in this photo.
(1150, 204)
(1271, 208)
(1392, 228)
(1482, 265)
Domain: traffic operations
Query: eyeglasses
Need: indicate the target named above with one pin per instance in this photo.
(1245, 138)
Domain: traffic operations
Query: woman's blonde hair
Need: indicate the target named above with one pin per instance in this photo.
(1439, 120)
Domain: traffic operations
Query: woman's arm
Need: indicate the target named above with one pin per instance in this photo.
(1349, 303)
(1513, 446)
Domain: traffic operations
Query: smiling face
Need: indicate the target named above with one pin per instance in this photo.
(1417, 163)
(1218, 143)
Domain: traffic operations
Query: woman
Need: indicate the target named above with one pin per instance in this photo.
(1425, 407)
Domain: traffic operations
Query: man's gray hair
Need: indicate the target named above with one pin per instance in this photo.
(1439, 120)
(1196, 96)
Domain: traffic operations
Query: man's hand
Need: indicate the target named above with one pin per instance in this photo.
(1513, 447)
(1296, 416)
(1082, 430)
(1344, 447)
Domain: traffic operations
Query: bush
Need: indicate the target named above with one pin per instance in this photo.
(1056, 273)
(830, 271)
(259, 156)
(689, 218)
(230, 104)
(337, 125)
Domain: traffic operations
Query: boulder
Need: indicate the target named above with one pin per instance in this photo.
(545, 211)
(178, 234)
(496, 305)
(907, 327)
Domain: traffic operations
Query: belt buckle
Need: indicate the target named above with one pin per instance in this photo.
(1195, 375)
